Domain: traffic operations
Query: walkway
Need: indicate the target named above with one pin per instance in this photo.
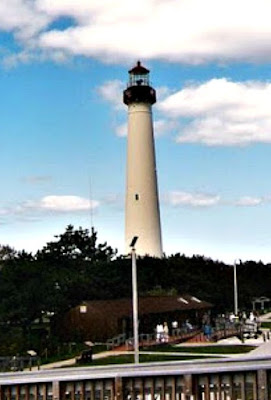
(72, 361)
(265, 317)
(264, 348)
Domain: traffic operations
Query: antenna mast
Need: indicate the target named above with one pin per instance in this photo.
(91, 209)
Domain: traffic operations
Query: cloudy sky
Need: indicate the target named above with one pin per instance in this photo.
(63, 67)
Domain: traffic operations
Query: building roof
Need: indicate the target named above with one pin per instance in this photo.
(147, 305)
(139, 69)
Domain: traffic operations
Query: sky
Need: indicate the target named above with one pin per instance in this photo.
(63, 67)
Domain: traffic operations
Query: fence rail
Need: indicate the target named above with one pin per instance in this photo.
(17, 363)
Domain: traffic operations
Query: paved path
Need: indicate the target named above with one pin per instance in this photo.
(264, 348)
(265, 317)
(72, 361)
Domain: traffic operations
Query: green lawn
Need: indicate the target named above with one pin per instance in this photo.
(129, 358)
(266, 325)
(99, 348)
(212, 350)
(227, 349)
(75, 352)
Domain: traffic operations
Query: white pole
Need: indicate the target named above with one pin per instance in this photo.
(235, 289)
(135, 306)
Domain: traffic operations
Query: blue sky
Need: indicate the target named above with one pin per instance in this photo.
(63, 66)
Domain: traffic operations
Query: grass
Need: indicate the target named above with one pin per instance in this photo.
(266, 325)
(212, 350)
(227, 349)
(75, 351)
(129, 358)
(99, 348)
(63, 353)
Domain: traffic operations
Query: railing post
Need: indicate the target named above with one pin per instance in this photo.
(262, 384)
(188, 386)
(56, 390)
(118, 388)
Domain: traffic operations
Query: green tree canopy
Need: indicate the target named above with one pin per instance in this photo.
(75, 267)
(76, 244)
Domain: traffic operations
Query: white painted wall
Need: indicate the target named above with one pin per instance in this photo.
(142, 217)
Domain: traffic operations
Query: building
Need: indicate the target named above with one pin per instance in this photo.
(100, 320)
(142, 215)
(239, 378)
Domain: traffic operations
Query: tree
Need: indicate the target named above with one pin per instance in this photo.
(7, 253)
(76, 244)
(58, 277)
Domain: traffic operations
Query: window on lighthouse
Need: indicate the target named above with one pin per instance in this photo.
(137, 196)
(139, 80)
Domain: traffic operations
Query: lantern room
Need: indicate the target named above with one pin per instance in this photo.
(139, 75)
(138, 88)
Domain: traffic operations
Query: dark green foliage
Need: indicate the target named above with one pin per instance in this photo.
(7, 253)
(76, 245)
(204, 278)
(36, 289)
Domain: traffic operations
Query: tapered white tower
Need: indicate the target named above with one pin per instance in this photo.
(142, 217)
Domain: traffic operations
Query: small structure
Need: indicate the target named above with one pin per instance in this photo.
(85, 357)
(260, 301)
(100, 320)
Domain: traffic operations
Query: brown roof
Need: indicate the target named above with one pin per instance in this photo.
(139, 69)
(104, 319)
(147, 305)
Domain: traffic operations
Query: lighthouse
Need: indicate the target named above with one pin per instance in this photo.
(142, 215)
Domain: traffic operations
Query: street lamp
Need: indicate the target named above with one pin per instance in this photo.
(135, 299)
(235, 289)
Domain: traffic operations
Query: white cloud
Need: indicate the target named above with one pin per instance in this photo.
(115, 200)
(187, 31)
(163, 126)
(32, 54)
(162, 92)
(63, 204)
(179, 198)
(4, 211)
(197, 199)
(111, 91)
(222, 112)
(37, 179)
(183, 31)
(248, 201)
(121, 130)
(55, 204)
(22, 17)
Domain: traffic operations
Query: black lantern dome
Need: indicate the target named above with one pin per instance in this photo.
(139, 89)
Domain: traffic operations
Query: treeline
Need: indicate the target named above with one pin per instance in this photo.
(75, 267)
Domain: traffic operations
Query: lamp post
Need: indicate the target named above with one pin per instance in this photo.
(135, 300)
(235, 288)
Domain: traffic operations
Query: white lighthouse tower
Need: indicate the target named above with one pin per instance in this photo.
(142, 217)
